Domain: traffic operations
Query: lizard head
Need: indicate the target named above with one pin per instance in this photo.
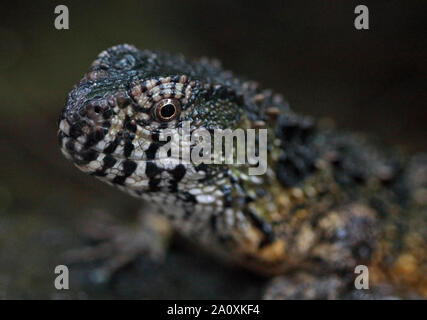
(112, 121)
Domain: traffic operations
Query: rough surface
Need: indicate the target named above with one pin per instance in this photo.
(330, 200)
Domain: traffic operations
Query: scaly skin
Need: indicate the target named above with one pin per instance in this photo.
(329, 201)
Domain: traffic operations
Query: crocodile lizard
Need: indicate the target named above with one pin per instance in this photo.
(328, 202)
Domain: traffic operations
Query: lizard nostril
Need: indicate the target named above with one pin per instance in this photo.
(97, 109)
(95, 112)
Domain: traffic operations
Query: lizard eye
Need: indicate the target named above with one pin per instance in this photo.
(167, 109)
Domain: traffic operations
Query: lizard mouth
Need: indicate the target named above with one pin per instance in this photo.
(137, 172)
(87, 157)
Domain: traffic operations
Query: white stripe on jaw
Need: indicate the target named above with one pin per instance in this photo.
(205, 198)
(64, 126)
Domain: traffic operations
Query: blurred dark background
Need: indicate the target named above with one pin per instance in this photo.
(372, 81)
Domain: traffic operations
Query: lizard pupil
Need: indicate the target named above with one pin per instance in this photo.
(166, 109)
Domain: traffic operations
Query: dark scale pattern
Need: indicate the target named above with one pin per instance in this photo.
(87, 156)
(152, 171)
(109, 161)
(299, 156)
(94, 137)
(151, 151)
(178, 173)
(112, 145)
(129, 167)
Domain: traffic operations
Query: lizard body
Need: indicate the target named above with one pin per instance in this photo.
(328, 202)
